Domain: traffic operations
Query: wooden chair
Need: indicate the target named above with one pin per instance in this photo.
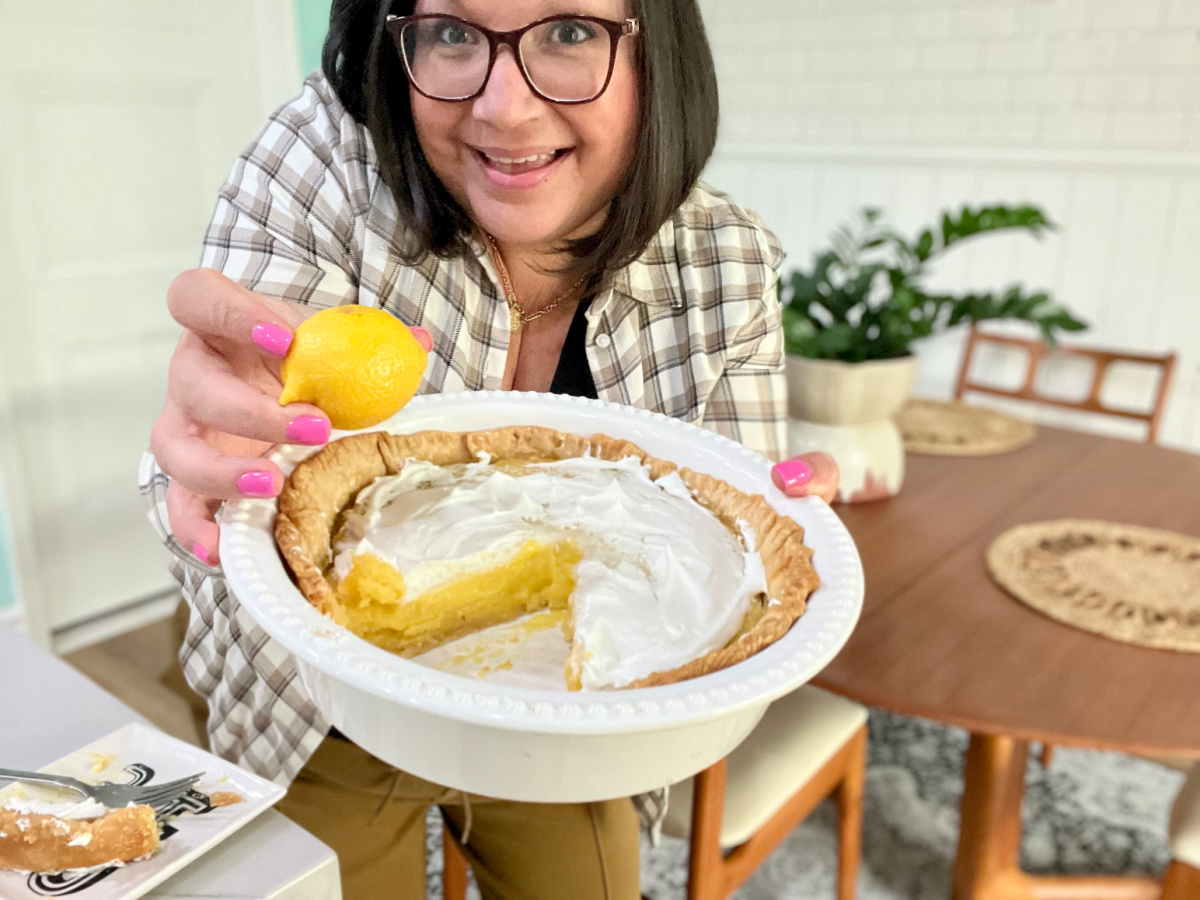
(810, 745)
(1036, 353)
(1182, 881)
(1102, 359)
(454, 868)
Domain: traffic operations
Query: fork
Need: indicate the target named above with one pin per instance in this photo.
(108, 794)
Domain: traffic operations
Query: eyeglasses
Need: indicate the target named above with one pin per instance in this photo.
(565, 59)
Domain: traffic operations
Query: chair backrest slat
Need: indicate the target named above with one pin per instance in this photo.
(1037, 352)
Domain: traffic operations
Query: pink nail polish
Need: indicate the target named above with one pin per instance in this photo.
(201, 553)
(271, 338)
(312, 430)
(424, 338)
(791, 474)
(257, 484)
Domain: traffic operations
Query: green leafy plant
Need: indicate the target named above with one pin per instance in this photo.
(862, 298)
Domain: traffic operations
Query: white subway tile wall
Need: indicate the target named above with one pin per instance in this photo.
(1095, 56)
(1089, 108)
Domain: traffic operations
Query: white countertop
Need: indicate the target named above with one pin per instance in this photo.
(57, 710)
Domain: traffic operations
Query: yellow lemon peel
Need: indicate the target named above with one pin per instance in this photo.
(358, 365)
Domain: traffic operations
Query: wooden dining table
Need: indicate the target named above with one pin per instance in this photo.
(939, 639)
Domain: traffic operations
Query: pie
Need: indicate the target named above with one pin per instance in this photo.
(653, 573)
(41, 837)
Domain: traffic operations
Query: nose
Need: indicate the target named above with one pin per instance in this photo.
(507, 99)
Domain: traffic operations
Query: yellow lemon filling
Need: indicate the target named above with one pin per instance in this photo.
(374, 605)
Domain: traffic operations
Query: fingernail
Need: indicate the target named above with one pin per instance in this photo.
(201, 553)
(272, 338)
(311, 430)
(424, 338)
(792, 473)
(257, 484)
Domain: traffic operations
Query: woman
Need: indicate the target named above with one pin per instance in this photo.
(519, 186)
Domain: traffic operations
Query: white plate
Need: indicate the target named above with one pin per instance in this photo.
(139, 754)
(546, 746)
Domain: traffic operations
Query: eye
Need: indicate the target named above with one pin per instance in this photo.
(451, 34)
(571, 32)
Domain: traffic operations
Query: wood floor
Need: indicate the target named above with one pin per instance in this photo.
(141, 668)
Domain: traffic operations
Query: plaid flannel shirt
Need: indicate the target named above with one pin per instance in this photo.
(691, 329)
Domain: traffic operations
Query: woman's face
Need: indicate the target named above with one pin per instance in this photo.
(582, 151)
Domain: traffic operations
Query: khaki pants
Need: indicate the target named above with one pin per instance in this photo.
(373, 816)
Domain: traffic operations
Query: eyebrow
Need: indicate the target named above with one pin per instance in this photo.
(455, 5)
(565, 8)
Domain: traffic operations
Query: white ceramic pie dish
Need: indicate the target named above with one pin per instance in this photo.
(545, 746)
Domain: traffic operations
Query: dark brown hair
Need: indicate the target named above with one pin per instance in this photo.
(676, 136)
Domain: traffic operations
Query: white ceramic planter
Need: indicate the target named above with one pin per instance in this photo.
(846, 410)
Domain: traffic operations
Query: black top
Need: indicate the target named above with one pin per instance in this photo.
(573, 376)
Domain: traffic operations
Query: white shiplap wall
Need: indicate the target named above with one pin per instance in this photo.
(1089, 108)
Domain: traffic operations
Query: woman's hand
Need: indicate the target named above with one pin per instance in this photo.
(222, 412)
(807, 475)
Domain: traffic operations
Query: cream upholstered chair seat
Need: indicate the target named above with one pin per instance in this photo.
(809, 746)
(798, 735)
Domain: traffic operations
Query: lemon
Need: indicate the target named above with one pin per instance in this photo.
(356, 364)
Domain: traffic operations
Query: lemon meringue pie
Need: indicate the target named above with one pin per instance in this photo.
(643, 572)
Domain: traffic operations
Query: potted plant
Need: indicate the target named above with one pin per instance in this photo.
(849, 322)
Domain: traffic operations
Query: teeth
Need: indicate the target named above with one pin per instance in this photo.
(516, 160)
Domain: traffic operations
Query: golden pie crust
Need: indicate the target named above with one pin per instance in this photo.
(36, 842)
(324, 485)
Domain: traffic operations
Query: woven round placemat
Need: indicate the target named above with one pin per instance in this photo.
(951, 428)
(1131, 584)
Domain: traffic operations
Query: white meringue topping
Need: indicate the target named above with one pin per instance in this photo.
(662, 580)
(65, 809)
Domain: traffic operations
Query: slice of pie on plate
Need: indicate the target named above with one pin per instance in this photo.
(51, 837)
(652, 573)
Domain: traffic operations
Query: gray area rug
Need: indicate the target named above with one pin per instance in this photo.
(1089, 813)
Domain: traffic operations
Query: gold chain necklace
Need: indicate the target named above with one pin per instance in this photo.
(517, 317)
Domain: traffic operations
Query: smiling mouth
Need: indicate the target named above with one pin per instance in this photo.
(519, 165)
